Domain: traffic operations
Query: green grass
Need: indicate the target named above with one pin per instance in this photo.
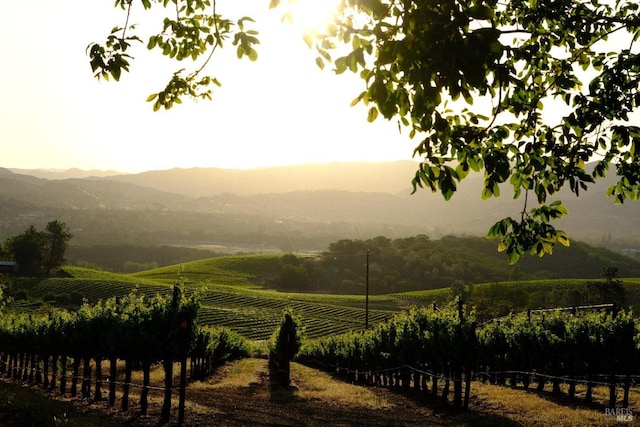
(236, 270)
(232, 296)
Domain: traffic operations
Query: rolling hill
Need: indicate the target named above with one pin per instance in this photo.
(286, 208)
(231, 296)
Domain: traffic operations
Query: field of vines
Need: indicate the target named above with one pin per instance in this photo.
(433, 350)
(65, 350)
(229, 297)
(256, 314)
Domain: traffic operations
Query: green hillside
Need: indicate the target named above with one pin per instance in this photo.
(229, 294)
(232, 295)
(236, 270)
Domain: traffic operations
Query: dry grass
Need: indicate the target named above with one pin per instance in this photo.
(241, 393)
(320, 386)
(530, 408)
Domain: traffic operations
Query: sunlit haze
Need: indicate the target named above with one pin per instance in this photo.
(279, 110)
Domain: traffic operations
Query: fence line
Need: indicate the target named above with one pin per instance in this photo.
(103, 381)
(566, 379)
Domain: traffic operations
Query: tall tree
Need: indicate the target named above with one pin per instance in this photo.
(27, 250)
(470, 80)
(57, 236)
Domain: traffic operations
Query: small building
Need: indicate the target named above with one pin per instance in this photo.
(8, 267)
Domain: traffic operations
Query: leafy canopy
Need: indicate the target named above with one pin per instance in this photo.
(526, 92)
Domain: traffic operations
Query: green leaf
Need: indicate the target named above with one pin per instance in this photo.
(562, 238)
(481, 11)
(513, 255)
(372, 115)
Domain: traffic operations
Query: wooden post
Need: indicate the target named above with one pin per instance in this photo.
(457, 387)
(126, 385)
(366, 301)
(627, 385)
(86, 379)
(612, 391)
(33, 362)
(183, 390)
(54, 369)
(167, 363)
(45, 370)
(146, 381)
(63, 374)
(74, 379)
(98, 391)
(467, 386)
(112, 380)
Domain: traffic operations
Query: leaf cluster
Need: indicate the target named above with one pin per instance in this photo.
(140, 328)
(422, 337)
(471, 79)
(192, 30)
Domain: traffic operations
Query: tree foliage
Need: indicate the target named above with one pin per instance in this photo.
(40, 251)
(283, 345)
(525, 92)
(418, 263)
(192, 29)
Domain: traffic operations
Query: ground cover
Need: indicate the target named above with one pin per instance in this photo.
(241, 394)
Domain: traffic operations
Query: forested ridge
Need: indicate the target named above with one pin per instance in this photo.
(416, 263)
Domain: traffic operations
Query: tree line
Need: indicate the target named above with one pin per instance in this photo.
(418, 263)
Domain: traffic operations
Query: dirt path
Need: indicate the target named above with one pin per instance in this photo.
(314, 399)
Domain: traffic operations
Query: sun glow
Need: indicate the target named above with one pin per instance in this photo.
(311, 16)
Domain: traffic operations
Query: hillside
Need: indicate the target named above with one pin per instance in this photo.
(390, 177)
(287, 208)
(233, 294)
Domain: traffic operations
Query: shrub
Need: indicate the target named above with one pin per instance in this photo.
(283, 345)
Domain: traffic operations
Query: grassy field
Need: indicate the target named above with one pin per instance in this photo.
(233, 294)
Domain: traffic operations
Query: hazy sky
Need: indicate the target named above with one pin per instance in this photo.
(279, 110)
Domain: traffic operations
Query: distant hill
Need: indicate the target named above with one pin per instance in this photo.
(65, 173)
(379, 177)
(297, 207)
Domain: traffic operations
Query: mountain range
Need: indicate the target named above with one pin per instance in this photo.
(305, 206)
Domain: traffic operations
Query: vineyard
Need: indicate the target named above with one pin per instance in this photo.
(436, 349)
(227, 295)
(61, 351)
(231, 295)
(433, 350)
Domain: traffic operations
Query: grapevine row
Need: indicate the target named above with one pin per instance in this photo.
(136, 329)
(426, 345)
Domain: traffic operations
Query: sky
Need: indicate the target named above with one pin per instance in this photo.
(279, 110)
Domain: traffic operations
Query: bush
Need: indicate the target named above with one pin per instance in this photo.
(283, 345)
(76, 297)
(49, 297)
(229, 345)
(21, 295)
(63, 299)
